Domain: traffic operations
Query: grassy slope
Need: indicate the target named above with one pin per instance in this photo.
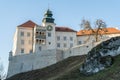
(68, 69)
(111, 73)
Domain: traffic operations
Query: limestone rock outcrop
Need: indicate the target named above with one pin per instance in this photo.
(101, 56)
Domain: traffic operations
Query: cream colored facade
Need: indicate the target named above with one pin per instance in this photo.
(32, 38)
(23, 41)
(25, 38)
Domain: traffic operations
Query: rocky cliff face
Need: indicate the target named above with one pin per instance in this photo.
(101, 56)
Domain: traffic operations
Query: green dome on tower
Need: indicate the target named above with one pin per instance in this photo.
(48, 17)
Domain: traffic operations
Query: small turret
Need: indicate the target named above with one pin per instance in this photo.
(10, 55)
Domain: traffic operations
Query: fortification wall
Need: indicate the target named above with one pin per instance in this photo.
(28, 62)
(33, 61)
(79, 50)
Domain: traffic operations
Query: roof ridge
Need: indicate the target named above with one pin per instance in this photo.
(64, 29)
(29, 24)
(111, 30)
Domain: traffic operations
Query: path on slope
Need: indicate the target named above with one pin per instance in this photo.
(69, 68)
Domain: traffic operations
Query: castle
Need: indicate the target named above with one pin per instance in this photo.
(37, 46)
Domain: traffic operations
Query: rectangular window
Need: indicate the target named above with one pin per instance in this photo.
(65, 45)
(22, 33)
(58, 38)
(79, 42)
(49, 34)
(40, 48)
(71, 45)
(65, 38)
(28, 34)
(30, 51)
(22, 50)
(58, 45)
(22, 42)
(71, 38)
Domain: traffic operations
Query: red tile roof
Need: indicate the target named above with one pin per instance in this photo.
(64, 29)
(29, 24)
(90, 32)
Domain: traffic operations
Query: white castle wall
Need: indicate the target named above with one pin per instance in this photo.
(28, 62)
(79, 50)
(68, 41)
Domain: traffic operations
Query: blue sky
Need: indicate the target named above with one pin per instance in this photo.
(66, 13)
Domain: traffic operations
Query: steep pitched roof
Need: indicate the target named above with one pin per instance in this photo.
(90, 32)
(29, 24)
(64, 29)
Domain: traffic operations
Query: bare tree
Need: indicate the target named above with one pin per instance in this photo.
(100, 29)
(2, 72)
(85, 24)
(97, 30)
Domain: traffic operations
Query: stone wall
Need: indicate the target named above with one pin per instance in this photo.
(78, 50)
(28, 62)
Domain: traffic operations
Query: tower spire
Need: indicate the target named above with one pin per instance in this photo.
(48, 6)
(48, 17)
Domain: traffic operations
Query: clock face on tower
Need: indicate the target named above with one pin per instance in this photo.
(49, 28)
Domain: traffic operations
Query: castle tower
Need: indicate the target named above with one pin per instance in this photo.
(48, 22)
(45, 34)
